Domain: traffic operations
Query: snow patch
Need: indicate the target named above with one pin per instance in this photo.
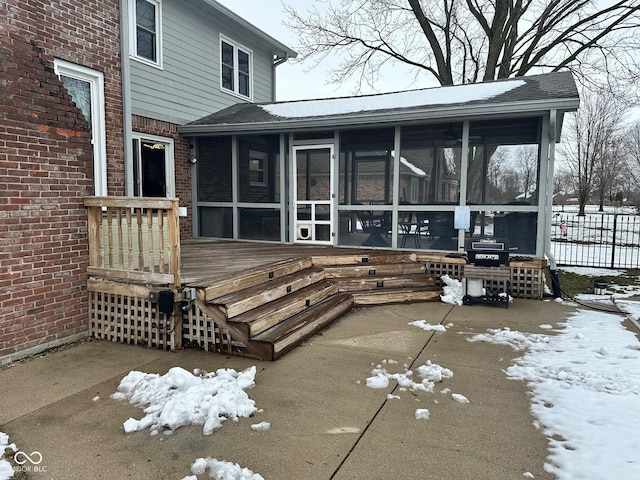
(220, 470)
(179, 398)
(427, 326)
(422, 414)
(452, 291)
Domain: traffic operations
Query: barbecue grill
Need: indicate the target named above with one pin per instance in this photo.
(487, 252)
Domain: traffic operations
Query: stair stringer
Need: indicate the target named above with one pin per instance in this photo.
(216, 315)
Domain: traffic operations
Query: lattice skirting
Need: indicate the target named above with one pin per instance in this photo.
(527, 277)
(123, 313)
(201, 332)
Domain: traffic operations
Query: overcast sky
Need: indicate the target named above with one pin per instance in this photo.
(293, 80)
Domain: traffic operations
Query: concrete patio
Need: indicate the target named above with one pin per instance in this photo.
(325, 422)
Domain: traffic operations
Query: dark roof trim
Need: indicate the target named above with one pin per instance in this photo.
(444, 113)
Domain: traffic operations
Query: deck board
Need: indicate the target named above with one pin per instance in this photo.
(206, 261)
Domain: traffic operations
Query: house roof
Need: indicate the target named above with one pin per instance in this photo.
(278, 48)
(530, 95)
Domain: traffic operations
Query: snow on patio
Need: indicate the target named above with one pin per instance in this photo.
(584, 378)
(179, 398)
(585, 384)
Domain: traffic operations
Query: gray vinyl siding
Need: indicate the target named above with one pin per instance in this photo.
(188, 85)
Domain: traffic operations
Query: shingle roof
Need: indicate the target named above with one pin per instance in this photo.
(523, 94)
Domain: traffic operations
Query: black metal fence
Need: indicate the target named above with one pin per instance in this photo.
(610, 240)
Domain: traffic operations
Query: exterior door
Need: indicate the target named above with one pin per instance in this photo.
(153, 167)
(313, 195)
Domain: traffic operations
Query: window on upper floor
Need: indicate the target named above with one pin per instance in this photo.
(146, 31)
(235, 69)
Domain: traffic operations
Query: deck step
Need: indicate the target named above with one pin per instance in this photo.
(370, 258)
(293, 331)
(252, 277)
(247, 299)
(399, 295)
(403, 268)
(375, 282)
(268, 315)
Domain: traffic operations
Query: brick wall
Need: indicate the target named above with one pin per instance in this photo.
(46, 165)
(182, 167)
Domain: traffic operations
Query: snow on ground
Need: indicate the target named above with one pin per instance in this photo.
(452, 290)
(585, 384)
(180, 398)
(593, 271)
(430, 374)
(220, 470)
(631, 308)
(584, 377)
(424, 325)
(6, 469)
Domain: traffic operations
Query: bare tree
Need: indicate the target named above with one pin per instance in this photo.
(591, 141)
(609, 170)
(632, 153)
(464, 41)
(526, 166)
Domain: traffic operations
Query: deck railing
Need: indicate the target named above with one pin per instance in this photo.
(134, 239)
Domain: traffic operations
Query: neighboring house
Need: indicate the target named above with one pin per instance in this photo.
(92, 98)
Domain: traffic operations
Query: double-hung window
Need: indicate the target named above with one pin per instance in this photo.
(257, 168)
(235, 69)
(146, 31)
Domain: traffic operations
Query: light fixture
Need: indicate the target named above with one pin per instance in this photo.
(450, 136)
(193, 160)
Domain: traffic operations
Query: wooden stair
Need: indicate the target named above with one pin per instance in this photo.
(272, 309)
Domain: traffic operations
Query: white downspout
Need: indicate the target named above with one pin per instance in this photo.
(553, 121)
(277, 62)
(125, 72)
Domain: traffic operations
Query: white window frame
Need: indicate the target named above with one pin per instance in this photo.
(236, 74)
(263, 157)
(98, 128)
(133, 44)
(169, 161)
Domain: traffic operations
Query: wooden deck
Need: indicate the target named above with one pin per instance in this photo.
(209, 261)
(246, 298)
(264, 299)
